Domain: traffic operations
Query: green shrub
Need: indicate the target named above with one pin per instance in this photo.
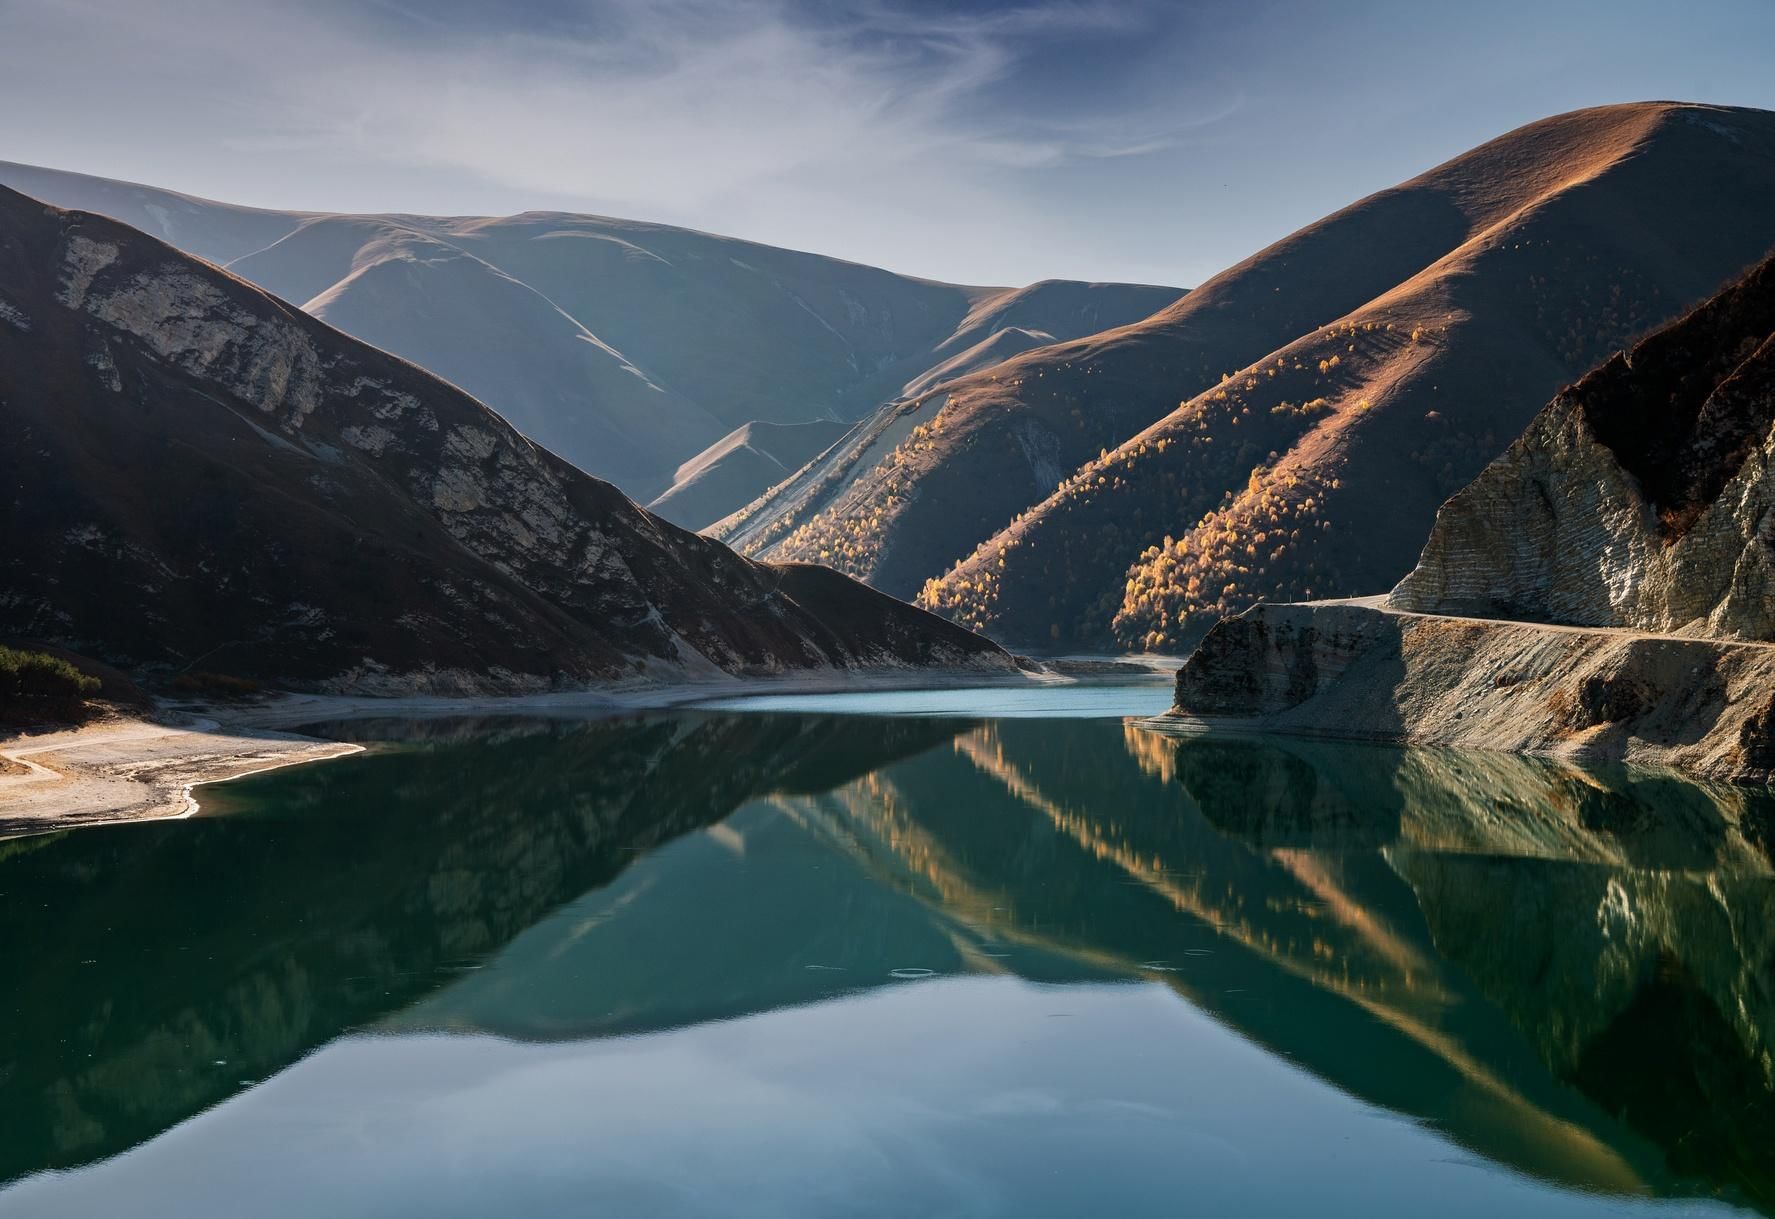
(36, 685)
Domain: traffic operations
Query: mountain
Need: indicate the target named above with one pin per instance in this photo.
(730, 472)
(1604, 589)
(459, 316)
(625, 347)
(200, 478)
(1290, 426)
(215, 232)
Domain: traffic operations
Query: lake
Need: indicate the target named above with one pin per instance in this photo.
(989, 953)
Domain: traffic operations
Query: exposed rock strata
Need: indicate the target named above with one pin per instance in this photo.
(1357, 672)
(1605, 589)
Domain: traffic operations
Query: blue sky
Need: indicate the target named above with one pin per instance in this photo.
(991, 143)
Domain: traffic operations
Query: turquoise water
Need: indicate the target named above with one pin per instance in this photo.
(794, 963)
(1082, 701)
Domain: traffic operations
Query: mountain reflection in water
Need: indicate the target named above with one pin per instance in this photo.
(1570, 974)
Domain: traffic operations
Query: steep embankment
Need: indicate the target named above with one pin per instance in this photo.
(1638, 501)
(1317, 469)
(201, 478)
(626, 347)
(1334, 388)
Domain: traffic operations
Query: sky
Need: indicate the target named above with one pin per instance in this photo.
(998, 142)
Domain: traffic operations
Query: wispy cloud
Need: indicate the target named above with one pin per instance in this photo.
(887, 130)
(676, 103)
(985, 139)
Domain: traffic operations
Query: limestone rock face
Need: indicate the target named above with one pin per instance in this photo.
(1641, 497)
(1359, 672)
(1604, 590)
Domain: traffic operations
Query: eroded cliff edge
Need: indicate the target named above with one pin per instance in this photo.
(1364, 672)
(1640, 497)
(1603, 590)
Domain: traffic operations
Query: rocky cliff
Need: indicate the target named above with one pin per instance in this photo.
(1640, 497)
(1605, 589)
(198, 477)
(1361, 672)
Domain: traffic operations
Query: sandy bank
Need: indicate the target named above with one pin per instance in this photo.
(131, 769)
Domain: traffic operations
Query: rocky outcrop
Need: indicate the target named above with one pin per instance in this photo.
(1361, 672)
(1642, 497)
(200, 478)
(1605, 589)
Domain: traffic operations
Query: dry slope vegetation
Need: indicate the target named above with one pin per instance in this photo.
(1288, 428)
(1317, 469)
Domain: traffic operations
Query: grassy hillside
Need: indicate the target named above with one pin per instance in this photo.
(1445, 311)
(1317, 470)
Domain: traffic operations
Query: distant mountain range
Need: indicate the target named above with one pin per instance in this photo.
(200, 478)
(1066, 465)
(625, 347)
(1289, 427)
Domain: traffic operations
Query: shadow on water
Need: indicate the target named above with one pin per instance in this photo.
(1571, 973)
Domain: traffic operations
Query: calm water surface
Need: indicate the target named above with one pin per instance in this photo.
(822, 958)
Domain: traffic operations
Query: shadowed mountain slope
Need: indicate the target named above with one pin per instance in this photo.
(1372, 361)
(217, 232)
(623, 346)
(200, 477)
